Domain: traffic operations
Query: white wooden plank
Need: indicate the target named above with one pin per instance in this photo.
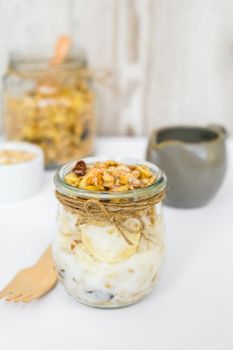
(94, 30)
(132, 54)
(192, 63)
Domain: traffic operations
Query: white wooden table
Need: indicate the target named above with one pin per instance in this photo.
(191, 309)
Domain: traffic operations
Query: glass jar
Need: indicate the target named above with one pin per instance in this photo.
(101, 263)
(50, 106)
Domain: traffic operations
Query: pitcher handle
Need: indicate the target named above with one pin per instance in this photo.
(220, 129)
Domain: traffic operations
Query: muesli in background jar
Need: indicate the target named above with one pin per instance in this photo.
(50, 105)
(109, 241)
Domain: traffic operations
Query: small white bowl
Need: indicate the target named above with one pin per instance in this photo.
(21, 180)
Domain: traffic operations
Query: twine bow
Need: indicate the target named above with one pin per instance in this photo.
(92, 210)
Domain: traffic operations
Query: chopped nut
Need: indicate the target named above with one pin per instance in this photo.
(98, 181)
(80, 168)
(91, 188)
(136, 173)
(111, 169)
(135, 183)
(83, 183)
(77, 241)
(145, 172)
(108, 180)
(109, 163)
(74, 244)
(72, 179)
(121, 188)
(124, 179)
(146, 182)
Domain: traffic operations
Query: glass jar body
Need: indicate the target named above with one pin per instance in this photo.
(50, 107)
(98, 267)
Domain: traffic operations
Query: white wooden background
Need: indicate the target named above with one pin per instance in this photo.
(171, 60)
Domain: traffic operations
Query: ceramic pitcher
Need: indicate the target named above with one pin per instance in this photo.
(194, 159)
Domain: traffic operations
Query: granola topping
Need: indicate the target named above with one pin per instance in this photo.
(109, 176)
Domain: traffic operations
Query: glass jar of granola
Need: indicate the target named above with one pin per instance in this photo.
(51, 106)
(109, 240)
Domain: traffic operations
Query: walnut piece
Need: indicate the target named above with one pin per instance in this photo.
(80, 168)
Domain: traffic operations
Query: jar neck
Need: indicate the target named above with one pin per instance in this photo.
(39, 65)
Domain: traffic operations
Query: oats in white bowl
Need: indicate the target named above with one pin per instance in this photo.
(14, 156)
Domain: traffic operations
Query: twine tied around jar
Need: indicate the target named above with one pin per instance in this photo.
(114, 212)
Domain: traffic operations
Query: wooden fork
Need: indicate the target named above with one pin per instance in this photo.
(33, 282)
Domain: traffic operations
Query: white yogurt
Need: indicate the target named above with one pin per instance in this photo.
(99, 268)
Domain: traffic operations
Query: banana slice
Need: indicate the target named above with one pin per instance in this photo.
(64, 242)
(107, 244)
(67, 223)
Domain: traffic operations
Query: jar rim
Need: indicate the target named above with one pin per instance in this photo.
(155, 188)
(37, 62)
